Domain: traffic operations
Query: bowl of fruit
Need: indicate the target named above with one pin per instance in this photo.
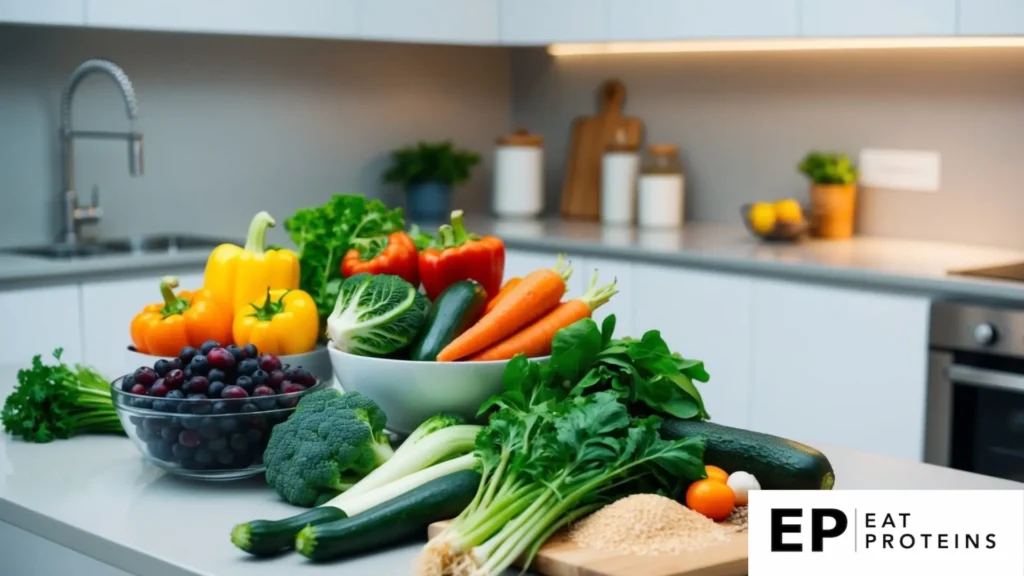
(781, 221)
(209, 416)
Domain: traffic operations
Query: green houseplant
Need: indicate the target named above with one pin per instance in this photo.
(833, 193)
(428, 171)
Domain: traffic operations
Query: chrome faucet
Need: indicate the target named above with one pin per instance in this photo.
(74, 214)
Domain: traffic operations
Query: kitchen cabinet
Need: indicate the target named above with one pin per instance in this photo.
(107, 311)
(838, 366)
(447, 21)
(540, 22)
(839, 18)
(982, 17)
(689, 19)
(38, 320)
(702, 315)
(51, 12)
(621, 304)
(313, 18)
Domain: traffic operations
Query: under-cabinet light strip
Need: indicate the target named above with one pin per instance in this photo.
(779, 45)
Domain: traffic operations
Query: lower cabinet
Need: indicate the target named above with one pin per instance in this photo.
(37, 320)
(107, 311)
(702, 315)
(839, 366)
(608, 271)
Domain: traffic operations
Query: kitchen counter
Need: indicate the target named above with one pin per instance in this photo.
(95, 495)
(877, 263)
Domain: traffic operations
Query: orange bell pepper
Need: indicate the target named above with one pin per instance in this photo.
(183, 319)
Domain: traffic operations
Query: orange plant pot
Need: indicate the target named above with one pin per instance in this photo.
(833, 207)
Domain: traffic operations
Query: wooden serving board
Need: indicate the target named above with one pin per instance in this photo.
(562, 557)
(581, 188)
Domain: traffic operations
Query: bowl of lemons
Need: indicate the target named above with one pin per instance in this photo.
(780, 221)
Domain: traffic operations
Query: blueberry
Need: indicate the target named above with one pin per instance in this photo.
(190, 422)
(182, 452)
(145, 437)
(162, 367)
(216, 390)
(248, 366)
(205, 348)
(288, 401)
(226, 457)
(127, 383)
(136, 420)
(189, 438)
(142, 403)
(192, 464)
(217, 444)
(187, 354)
(161, 450)
(239, 443)
(236, 352)
(199, 365)
(227, 424)
(234, 392)
(203, 456)
(170, 432)
(145, 376)
(174, 379)
(260, 377)
(301, 376)
(199, 404)
(253, 435)
(265, 403)
(222, 407)
(164, 406)
(209, 429)
(188, 372)
(197, 385)
(175, 364)
(216, 375)
(250, 351)
(174, 395)
(245, 383)
(248, 408)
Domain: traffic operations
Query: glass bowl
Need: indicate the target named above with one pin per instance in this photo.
(206, 439)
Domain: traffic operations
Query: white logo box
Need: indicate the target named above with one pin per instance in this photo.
(899, 532)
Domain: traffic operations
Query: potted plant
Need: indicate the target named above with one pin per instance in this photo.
(833, 193)
(428, 171)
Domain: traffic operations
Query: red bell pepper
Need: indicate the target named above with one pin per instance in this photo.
(458, 256)
(394, 254)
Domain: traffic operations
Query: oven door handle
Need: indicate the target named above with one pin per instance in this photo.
(984, 377)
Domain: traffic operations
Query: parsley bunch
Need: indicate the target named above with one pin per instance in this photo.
(55, 402)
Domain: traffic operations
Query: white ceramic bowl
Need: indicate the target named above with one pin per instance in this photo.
(318, 362)
(410, 392)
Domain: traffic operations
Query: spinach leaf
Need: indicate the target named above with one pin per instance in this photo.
(574, 348)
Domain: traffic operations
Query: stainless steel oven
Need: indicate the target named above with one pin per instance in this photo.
(975, 413)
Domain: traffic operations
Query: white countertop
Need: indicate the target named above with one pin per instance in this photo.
(96, 495)
(877, 263)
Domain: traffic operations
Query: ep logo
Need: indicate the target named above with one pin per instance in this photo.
(823, 523)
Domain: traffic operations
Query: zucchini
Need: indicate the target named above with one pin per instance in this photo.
(399, 520)
(269, 537)
(777, 463)
(454, 311)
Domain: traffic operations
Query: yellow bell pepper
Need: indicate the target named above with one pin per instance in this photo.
(282, 322)
(238, 276)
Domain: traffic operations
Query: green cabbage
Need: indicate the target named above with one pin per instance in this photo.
(376, 315)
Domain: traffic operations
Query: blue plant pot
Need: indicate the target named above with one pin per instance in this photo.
(429, 201)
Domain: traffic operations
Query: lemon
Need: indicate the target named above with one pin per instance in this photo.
(788, 211)
(762, 217)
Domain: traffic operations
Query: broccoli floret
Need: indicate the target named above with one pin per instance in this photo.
(325, 447)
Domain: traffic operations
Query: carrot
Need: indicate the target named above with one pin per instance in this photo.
(508, 287)
(538, 293)
(535, 340)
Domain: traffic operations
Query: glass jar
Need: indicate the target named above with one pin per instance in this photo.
(661, 188)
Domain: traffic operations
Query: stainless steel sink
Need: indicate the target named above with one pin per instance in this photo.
(135, 246)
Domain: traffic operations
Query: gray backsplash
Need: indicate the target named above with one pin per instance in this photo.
(744, 120)
(233, 125)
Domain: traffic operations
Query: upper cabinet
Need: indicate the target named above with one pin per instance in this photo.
(986, 17)
(845, 18)
(635, 20)
(444, 21)
(540, 22)
(313, 18)
(53, 12)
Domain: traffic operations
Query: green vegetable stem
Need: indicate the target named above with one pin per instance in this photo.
(56, 402)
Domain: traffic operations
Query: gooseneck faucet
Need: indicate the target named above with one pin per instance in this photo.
(74, 214)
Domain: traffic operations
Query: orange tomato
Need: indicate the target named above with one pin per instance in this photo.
(711, 498)
(717, 474)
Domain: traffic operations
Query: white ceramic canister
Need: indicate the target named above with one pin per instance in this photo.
(661, 188)
(519, 175)
(619, 168)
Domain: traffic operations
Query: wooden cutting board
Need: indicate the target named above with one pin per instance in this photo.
(581, 188)
(561, 557)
